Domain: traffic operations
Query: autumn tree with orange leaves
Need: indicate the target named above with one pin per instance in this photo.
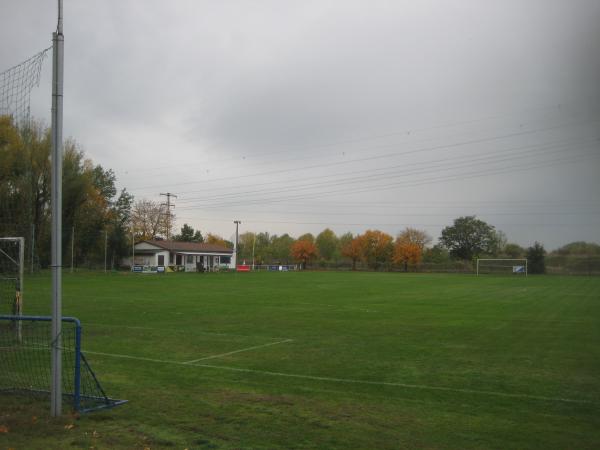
(303, 250)
(406, 253)
(409, 247)
(376, 248)
(353, 250)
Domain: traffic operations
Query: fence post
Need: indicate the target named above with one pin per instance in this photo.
(77, 380)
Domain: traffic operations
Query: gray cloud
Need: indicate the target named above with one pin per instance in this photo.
(179, 95)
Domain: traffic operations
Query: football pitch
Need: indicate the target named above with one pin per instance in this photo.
(328, 360)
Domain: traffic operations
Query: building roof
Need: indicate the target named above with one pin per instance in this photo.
(193, 247)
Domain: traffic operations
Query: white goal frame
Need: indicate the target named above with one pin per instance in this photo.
(502, 259)
(18, 260)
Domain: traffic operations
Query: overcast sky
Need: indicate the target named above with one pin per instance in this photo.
(297, 116)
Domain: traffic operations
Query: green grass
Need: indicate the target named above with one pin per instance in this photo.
(328, 360)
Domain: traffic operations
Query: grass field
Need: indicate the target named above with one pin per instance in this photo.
(328, 360)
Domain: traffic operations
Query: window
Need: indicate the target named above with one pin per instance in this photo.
(178, 260)
(161, 260)
(225, 259)
(190, 259)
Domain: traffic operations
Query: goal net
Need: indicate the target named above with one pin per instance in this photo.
(16, 84)
(11, 275)
(25, 367)
(498, 266)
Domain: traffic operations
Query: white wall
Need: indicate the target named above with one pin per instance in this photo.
(165, 253)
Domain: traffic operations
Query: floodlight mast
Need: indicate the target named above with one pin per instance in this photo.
(56, 198)
(237, 223)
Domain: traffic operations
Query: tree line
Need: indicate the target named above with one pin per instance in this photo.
(100, 222)
(93, 211)
(466, 239)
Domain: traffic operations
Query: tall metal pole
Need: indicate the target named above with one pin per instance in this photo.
(72, 246)
(19, 299)
(253, 245)
(105, 247)
(32, 245)
(237, 223)
(56, 196)
(132, 251)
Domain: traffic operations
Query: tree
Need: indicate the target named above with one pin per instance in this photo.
(469, 237)
(149, 220)
(437, 254)
(352, 249)
(512, 250)
(25, 183)
(218, 240)
(413, 236)
(89, 200)
(406, 253)
(344, 239)
(307, 237)
(303, 251)
(578, 257)
(578, 248)
(90, 203)
(536, 258)
(280, 247)
(328, 244)
(246, 242)
(499, 245)
(409, 247)
(120, 225)
(376, 248)
(262, 248)
(188, 235)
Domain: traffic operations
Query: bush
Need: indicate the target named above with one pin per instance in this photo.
(536, 259)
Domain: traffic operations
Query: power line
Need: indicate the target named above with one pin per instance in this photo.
(403, 183)
(490, 157)
(404, 132)
(510, 169)
(388, 155)
(402, 225)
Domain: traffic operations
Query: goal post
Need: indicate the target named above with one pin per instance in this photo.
(16, 84)
(25, 363)
(12, 265)
(501, 266)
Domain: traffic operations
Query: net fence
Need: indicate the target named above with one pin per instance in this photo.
(16, 84)
(25, 363)
(502, 266)
(11, 263)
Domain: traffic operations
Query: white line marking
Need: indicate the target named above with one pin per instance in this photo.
(137, 358)
(348, 380)
(210, 333)
(238, 351)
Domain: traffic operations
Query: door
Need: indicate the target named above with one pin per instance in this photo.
(190, 265)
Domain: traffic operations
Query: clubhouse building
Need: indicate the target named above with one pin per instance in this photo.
(155, 255)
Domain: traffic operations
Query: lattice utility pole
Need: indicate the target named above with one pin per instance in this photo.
(169, 205)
